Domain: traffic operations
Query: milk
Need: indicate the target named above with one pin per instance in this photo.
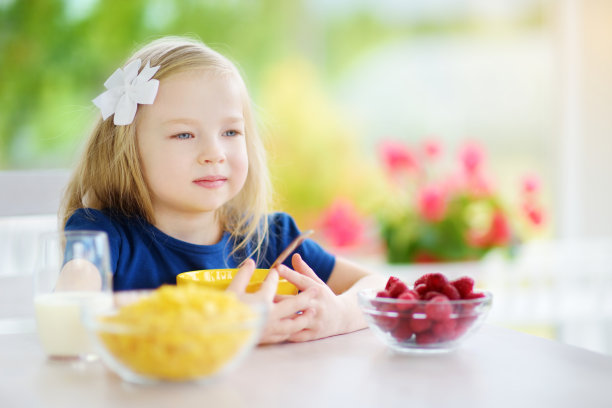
(58, 320)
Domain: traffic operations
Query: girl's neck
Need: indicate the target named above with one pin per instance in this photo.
(199, 229)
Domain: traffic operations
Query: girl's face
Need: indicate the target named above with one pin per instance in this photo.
(191, 142)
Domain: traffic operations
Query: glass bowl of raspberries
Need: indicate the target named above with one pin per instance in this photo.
(434, 316)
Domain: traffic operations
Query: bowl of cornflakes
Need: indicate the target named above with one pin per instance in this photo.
(221, 278)
(174, 333)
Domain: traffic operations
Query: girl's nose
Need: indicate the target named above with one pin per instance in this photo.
(211, 153)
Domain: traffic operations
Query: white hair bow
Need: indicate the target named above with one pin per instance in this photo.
(126, 89)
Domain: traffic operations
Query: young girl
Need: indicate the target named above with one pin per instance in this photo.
(175, 173)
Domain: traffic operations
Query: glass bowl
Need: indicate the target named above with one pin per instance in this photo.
(179, 338)
(421, 326)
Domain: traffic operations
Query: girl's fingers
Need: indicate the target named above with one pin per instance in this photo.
(269, 285)
(294, 324)
(290, 306)
(302, 335)
(302, 282)
(302, 267)
(242, 277)
(278, 298)
(283, 329)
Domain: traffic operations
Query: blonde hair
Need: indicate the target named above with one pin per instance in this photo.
(109, 174)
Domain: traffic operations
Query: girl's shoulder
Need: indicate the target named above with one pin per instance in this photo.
(280, 217)
(282, 229)
(282, 223)
(85, 217)
(93, 219)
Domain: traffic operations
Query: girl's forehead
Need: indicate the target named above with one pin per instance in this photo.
(196, 92)
(201, 75)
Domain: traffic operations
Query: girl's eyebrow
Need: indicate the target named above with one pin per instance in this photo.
(179, 120)
(233, 119)
(229, 119)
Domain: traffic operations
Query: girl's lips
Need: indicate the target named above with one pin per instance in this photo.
(211, 181)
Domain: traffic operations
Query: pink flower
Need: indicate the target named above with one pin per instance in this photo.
(397, 157)
(534, 213)
(341, 224)
(531, 184)
(432, 148)
(453, 184)
(432, 203)
(499, 233)
(478, 185)
(472, 157)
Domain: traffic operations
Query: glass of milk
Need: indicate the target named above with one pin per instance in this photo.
(72, 273)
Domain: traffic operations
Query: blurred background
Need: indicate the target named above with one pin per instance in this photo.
(350, 94)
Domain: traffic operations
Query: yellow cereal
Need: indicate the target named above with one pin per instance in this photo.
(179, 333)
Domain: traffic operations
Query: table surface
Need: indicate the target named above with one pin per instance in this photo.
(496, 367)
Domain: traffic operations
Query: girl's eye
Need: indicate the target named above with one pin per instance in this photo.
(231, 133)
(183, 136)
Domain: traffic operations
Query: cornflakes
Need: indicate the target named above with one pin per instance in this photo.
(179, 333)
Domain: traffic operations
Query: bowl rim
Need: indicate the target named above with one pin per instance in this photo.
(92, 322)
(369, 295)
(90, 318)
(192, 277)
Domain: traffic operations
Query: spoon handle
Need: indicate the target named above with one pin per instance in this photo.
(291, 247)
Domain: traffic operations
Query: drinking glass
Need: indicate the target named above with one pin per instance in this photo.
(72, 273)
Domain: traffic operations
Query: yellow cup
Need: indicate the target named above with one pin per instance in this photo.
(221, 278)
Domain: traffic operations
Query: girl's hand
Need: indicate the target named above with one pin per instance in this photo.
(324, 315)
(243, 277)
(287, 315)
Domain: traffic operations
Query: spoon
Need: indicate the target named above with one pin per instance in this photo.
(291, 247)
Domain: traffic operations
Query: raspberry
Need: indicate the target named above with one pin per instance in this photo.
(422, 279)
(464, 285)
(392, 280)
(451, 292)
(421, 289)
(463, 324)
(467, 308)
(383, 294)
(387, 319)
(431, 294)
(397, 289)
(444, 330)
(403, 331)
(409, 296)
(475, 295)
(436, 281)
(438, 308)
(426, 338)
(386, 323)
(420, 325)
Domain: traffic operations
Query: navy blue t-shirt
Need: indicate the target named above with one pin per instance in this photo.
(143, 257)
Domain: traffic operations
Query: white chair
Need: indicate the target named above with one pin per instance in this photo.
(29, 206)
(31, 192)
(29, 203)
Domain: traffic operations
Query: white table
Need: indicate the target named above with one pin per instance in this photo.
(496, 367)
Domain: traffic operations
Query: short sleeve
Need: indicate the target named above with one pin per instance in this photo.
(283, 229)
(95, 220)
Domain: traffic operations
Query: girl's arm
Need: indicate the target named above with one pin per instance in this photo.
(346, 279)
(79, 274)
(330, 313)
(317, 311)
(347, 274)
